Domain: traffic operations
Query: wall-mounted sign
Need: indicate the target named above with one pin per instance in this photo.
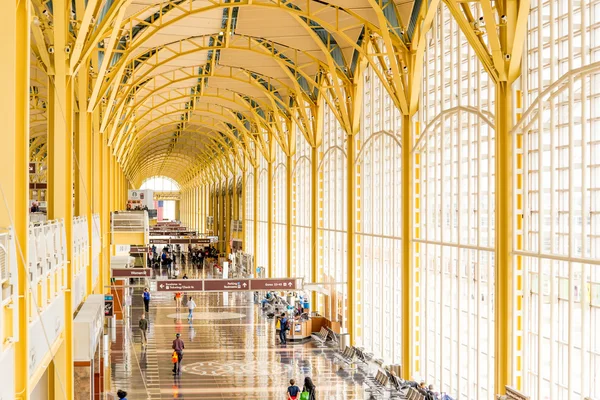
(273, 284)
(179, 241)
(108, 305)
(131, 272)
(180, 285)
(226, 285)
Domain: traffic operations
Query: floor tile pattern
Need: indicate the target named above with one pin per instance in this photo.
(231, 352)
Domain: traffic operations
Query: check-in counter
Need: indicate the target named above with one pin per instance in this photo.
(301, 329)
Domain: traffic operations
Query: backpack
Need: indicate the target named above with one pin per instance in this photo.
(305, 396)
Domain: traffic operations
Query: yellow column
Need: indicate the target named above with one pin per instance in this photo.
(197, 208)
(351, 220)
(222, 215)
(200, 208)
(204, 192)
(408, 323)
(14, 179)
(111, 181)
(255, 233)
(234, 205)
(61, 203)
(243, 200)
(271, 206)
(97, 194)
(288, 215)
(504, 233)
(314, 220)
(84, 160)
(227, 225)
(215, 198)
(105, 215)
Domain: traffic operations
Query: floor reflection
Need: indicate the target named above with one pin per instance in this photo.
(231, 352)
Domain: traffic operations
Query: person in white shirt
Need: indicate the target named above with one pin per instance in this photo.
(191, 305)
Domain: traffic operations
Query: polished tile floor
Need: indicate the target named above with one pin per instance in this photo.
(231, 352)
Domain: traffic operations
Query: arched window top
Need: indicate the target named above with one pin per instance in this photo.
(160, 184)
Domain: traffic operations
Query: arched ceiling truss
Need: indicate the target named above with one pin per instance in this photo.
(192, 87)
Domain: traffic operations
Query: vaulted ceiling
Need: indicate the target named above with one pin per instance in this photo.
(185, 88)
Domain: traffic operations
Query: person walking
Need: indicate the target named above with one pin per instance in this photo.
(178, 300)
(293, 391)
(282, 329)
(191, 305)
(310, 388)
(143, 324)
(146, 296)
(178, 346)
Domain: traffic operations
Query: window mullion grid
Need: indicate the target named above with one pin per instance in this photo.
(440, 203)
(585, 372)
(470, 292)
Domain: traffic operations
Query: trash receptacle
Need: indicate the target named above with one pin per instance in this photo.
(344, 341)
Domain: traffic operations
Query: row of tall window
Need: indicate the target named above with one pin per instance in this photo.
(556, 142)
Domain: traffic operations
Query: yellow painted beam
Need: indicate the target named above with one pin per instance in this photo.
(314, 221)
(227, 214)
(288, 212)
(105, 215)
(504, 290)
(408, 290)
(351, 224)
(270, 206)
(97, 192)
(14, 113)
(60, 205)
(255, 225)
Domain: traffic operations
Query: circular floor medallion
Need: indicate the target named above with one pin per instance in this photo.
(229, 368)
(207, 315)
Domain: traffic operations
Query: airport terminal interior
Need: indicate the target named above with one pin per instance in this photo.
(377, 199)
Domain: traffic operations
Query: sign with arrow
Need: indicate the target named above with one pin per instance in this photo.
(273, 284)
(180, 285)
(226, 285)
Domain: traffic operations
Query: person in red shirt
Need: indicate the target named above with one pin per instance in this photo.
(178, 346)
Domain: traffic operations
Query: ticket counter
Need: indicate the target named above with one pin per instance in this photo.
(301, 329)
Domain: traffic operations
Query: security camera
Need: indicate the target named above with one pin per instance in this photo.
(503, 19)
(46, 13)
(405, 68)
(68, 49)
(51, 49)
(507, 56)
(481, 19)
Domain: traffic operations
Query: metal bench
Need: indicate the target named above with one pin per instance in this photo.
(333, 336)
(347, 356)
(414, 394)
(321, 336)
(362, 356)
(378, 382)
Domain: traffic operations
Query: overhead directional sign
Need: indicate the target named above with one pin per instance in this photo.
(180, 285)
(192, 240)
(131, 272)
(273, 284)
(226, 285)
